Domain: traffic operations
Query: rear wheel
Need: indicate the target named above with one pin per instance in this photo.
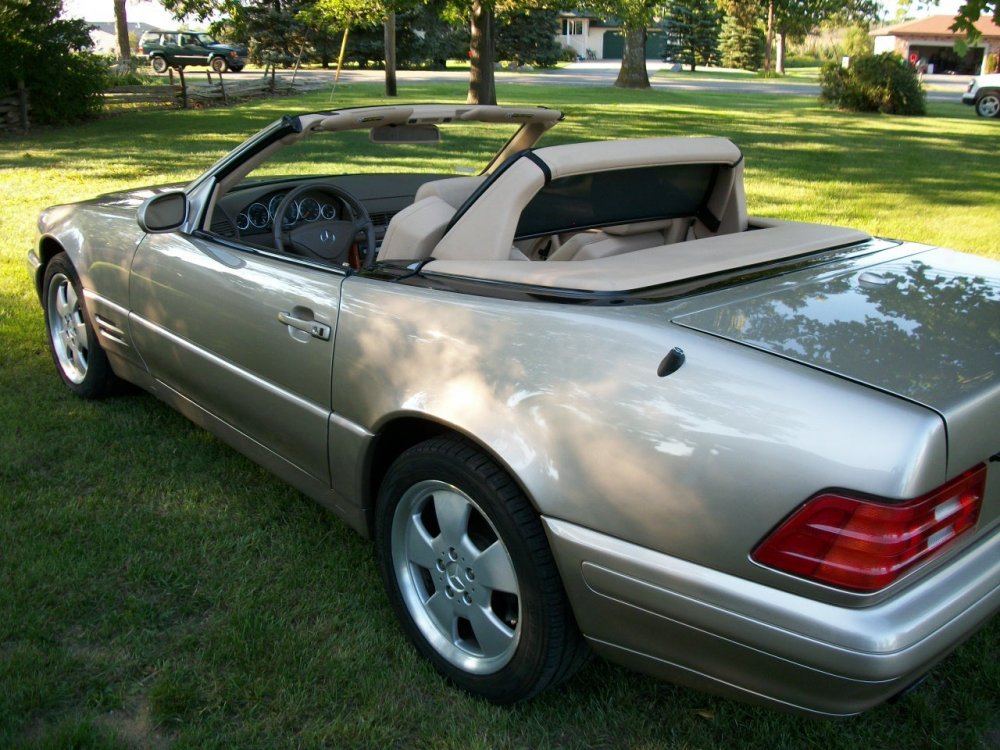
(988, 105)
(159, 64)
(470, 575)
(218, 64)
(79, 358)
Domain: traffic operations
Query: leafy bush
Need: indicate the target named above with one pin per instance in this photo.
(48, 55)
(874, 83)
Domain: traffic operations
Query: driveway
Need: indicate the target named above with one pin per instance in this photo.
(604, 72)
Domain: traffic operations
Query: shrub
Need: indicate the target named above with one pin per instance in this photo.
(47, 55)
(874, 83)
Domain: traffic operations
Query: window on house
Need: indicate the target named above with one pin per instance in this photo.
(572, 26)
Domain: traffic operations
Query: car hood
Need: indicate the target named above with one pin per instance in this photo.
(925, 327)
(237, 48)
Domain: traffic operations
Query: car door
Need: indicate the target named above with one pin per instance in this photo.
(191, 51)
(172, 49)
(246, 336)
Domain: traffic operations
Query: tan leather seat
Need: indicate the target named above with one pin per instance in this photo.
(414, 231)
(604, 243)
(452, 190)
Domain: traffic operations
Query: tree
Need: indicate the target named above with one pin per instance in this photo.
(635, 16)
(528, 36)
(121, 33)
(794, 18)
(482, 84)
(741, 46)
(692, 29)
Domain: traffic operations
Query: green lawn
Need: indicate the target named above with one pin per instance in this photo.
(158, 590)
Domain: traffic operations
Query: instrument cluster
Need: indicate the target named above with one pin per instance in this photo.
(261, 215)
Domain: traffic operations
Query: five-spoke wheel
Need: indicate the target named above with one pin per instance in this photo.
(81, 362)
(470, 575)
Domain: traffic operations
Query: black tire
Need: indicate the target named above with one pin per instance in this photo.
(218, 64)
(158, 63)
(988, 105)
(235, 68)
(454, 535)
(78, 356)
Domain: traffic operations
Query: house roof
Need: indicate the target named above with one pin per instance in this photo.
(939, 26)
(108, 27)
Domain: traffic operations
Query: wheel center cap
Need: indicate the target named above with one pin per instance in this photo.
(455, 577)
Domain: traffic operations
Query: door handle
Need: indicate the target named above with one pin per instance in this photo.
(313, 327)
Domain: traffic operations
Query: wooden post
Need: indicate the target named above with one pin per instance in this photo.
(22, 99)
(222, 88)
(184, 90)
(340, 60)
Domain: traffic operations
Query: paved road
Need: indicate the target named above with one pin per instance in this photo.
(604, 72)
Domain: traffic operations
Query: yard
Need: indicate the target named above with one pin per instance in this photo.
(159, 590)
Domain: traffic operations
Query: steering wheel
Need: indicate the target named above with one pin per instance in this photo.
(328, 240)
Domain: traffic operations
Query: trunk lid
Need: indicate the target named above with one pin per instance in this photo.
(924, 327)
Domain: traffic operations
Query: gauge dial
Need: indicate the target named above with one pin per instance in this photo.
(328, 211)
(272, 205)
(258, 215)
(308, 209)
(242, 221)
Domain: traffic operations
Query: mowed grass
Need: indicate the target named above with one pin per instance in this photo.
(158, 590)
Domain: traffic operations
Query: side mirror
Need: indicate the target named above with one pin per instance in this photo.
(163, 213)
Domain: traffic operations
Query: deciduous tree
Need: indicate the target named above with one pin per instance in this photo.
(635, 17)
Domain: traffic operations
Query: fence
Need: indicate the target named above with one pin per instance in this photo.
(14, 110)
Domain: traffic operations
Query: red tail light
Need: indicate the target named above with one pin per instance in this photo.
(864, 545)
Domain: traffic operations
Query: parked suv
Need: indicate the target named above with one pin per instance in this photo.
(984, 94)
(176, 49)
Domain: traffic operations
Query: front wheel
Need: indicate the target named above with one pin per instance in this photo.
(79, 358)
(218, 64)
(159, 64)
(988, 105)
(470, 575)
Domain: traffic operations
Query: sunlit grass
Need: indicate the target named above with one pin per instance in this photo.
(157, 590)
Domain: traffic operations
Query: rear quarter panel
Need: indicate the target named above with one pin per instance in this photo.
(699, 465)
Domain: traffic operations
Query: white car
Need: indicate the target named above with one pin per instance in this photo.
(984, 94)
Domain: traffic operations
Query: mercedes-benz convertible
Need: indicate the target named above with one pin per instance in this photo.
(579, 398)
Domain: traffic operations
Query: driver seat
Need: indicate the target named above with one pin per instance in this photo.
(415, 231)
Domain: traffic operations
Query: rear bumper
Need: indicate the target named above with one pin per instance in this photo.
(968, 99)
(716, 632)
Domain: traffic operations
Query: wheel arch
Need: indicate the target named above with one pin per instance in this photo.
(401, 433)
(48, 248)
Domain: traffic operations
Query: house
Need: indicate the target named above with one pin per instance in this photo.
(594, 37)
(102, 33)
(930, 39)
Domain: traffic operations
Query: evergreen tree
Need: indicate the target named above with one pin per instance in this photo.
(741, 45)
(692, 29)
(528, 36)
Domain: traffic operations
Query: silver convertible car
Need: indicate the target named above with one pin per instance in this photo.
(579, 399)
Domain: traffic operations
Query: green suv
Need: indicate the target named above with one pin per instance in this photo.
(177, 49)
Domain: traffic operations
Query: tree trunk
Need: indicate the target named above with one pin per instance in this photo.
(482, 86)
(390, 54)
(779, 58)
(121, 32)
(632, 74)
(769, 42)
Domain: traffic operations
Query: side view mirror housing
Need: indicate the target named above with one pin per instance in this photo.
(164, 212)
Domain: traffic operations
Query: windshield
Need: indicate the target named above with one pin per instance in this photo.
(206, 39)
(464, 149)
